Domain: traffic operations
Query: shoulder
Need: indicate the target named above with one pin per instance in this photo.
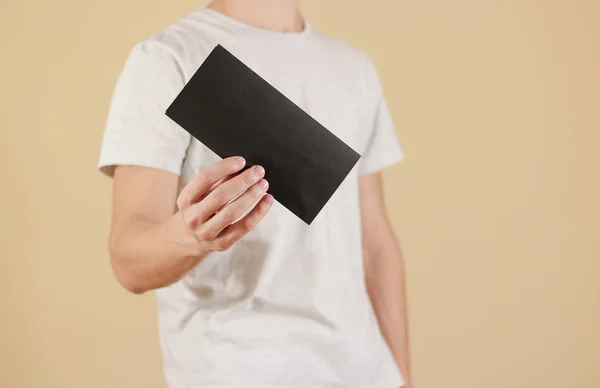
(338, 46)
(178, 46)
(348, 59)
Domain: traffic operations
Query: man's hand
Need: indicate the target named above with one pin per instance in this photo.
(152, 245)
(208, 207)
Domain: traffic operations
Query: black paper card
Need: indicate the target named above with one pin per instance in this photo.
(234, 112)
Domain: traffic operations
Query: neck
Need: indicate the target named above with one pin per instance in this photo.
(274, 15)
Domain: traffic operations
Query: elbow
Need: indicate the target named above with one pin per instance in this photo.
(129, 283)
(123, 273)
(126, 278)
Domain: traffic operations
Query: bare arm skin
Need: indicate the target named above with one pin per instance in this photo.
(384, 271)
(157, 236)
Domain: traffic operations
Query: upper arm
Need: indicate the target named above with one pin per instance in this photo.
(382, 150)
(142, 149)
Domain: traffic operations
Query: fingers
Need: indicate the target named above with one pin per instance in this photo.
(227, 191)
(221, 181)
(235, 210)
(207, 179)
(226, 200)
(235, 232)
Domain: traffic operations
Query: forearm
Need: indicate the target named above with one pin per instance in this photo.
(147, 254)
(386, 287)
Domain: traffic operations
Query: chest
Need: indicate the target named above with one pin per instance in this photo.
(332, 94)
(332, 99)
(328, 86)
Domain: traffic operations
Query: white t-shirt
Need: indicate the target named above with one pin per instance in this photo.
(285, 307)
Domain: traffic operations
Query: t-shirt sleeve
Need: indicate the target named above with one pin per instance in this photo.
(137, 131)
(383, 148)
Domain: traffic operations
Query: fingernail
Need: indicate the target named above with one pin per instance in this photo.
(240, 162)
(263, 184)
(259, 171)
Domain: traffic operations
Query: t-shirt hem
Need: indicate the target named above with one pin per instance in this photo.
(393, 382)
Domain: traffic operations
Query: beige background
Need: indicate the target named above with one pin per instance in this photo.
(497, 105)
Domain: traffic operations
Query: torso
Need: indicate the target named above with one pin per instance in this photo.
(287, 305)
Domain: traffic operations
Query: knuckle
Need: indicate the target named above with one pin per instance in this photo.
(217, 195)
(201, 177)
(202, 235)
(229, 215)
(189, 219)
(221, 245)
(256, 193)
(260, 211)
(252, 222)
(248, 178)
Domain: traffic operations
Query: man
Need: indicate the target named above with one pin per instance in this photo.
(266, 301)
